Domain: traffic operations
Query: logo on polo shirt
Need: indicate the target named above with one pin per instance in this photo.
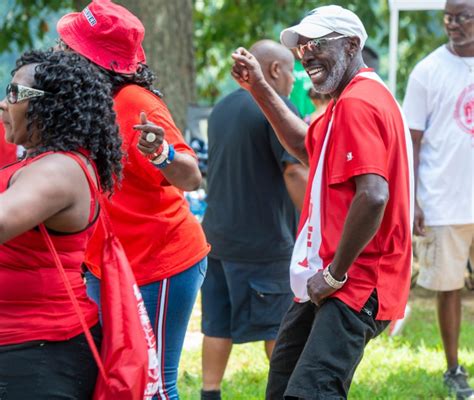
(89, 16)
(349, 156)
(464, 111)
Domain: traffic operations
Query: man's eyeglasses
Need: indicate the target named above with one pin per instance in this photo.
(315, 45)
(17, 93)
(458, 18)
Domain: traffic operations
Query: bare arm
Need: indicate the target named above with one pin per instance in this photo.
(362, 223)
(53, 190)
(289, 128)
(296, 179)
(183, 172)
(419, 222)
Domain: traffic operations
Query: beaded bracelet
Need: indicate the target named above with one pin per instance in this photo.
(169, 159)
(163, 155)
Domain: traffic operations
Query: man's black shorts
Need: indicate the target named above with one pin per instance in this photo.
(319, 348)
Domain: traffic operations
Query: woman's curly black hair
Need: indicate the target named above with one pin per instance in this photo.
(144, 77)
(76, 113)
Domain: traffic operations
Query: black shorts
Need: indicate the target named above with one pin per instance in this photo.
(43, 370)
(245, 302)
(319, 348)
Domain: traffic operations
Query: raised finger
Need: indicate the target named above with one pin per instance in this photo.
(143, 119)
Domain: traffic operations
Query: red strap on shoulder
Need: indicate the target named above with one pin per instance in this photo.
(104, 217)
(108, 232)
(93, 186)
(74, 301)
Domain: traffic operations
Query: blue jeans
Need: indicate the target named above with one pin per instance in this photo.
(169, 303)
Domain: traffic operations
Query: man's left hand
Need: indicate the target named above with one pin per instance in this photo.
(318, 289)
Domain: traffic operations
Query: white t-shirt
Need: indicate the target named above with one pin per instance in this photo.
(440, 101)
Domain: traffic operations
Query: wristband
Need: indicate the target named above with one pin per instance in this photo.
(169, 158)
(163, 155)
(331, 281)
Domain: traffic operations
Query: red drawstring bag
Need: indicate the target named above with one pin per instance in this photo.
(128, 366)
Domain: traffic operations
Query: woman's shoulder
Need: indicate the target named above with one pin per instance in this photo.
(56, 165)
(52, 176)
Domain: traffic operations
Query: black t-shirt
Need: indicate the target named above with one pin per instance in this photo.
(250, 216)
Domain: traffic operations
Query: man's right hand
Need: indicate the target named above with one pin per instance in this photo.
(246, 70)
(419, 222)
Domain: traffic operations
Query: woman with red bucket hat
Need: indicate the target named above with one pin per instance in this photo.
(164, 242)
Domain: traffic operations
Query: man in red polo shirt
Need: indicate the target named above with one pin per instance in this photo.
(351, 264)
(7, 150)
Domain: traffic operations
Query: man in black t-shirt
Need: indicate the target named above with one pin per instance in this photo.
(250, 221)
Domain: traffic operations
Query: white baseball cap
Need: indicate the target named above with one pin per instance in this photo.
(322, 21)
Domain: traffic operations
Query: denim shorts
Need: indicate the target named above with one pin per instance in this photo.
(245, 302)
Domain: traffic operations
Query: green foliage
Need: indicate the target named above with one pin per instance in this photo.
(24, 21)
(223, 25)
(26, 24)
(420, 33)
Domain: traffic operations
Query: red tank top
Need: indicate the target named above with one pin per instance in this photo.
(34, 304)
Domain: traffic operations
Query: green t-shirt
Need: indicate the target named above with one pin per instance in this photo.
(299, 95)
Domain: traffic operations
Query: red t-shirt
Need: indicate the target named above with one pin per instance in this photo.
(151, 217)
(7, 150)
(34, 304)
(368, 137)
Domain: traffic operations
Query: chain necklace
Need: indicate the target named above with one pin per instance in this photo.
(469, 66)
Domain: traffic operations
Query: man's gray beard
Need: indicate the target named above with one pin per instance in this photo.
(334, 79)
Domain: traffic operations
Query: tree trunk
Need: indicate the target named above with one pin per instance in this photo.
(169, 49)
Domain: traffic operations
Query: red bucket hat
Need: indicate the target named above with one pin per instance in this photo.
(107, 34)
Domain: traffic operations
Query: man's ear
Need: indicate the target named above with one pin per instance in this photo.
(275, 69)
(353, 45)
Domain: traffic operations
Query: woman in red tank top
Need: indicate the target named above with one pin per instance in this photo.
(61, 112)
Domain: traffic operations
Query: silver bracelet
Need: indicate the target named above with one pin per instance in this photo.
(331, 281)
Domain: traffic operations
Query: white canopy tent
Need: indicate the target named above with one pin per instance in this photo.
(395, 7)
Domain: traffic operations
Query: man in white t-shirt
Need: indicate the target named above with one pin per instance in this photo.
(439, 106)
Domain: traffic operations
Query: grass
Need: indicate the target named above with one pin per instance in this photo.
(409, 366)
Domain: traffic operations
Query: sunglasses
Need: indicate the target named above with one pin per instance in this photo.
(460, 19)
(314, 45)
(17, 93)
